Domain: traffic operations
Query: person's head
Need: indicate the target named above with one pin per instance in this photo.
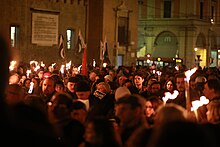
(169, 85)
(83, 90)
(71, 84)
(138, 79)
(149, 82)
(108, 78)
(79, 112)
(151, 105)
(180, 82)
(75, 71)
(112, 73)
(40, 73)
(36, 81)
(60, 106)
(27, 83)
(128, 83)
(103, 87)
(121, 92)
(59, 86)
(48, 86)
(100, 132)
(155, 87)
(14, 94)
(92, 76)
(170, 113)
(130, 109)
(211, 88)
(14, 79)
(121, 80)
(213, 113)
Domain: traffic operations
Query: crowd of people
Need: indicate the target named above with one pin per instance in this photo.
(108, 107)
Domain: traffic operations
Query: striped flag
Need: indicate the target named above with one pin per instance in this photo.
(61, 47)
(105, 52)
(80, 45)
(101, 51)
(84, 63)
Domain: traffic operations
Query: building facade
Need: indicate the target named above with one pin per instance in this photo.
(36, 26)
(116, 21)
(187, 29)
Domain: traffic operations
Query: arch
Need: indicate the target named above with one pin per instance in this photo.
(213, 41)
(200, 41)
(165, 45)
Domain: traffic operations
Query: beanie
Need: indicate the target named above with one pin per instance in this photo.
(82, 86)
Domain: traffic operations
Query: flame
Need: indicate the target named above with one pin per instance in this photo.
(188, 73)
(28, 72)
(62, 69)
(31, 88)
(159, 73)
(168, 95)
(177, 68)
(35, 63)
(104, 65)
(79, 68)
(53, 64)
(42, 64)
(198, 103)
(12, 65)
(94, 63)
(36, 68)
(68, 65)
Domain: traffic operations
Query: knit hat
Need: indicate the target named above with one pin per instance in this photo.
(82, 86)
(121, 91)
(73, 79)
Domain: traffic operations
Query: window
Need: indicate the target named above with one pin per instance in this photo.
(123, 30)
(120, 60)
(212, 12)
(14, 35)
(167, 9)
(70, 38)
(201, 8)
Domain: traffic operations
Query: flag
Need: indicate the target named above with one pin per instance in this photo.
(101, 50)
(61, 47)
(80, 45)
(84, 63)
(105, 53)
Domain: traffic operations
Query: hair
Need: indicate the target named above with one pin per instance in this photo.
(155, 102)
(77, 105)
(214, 111)
(61, 104)
(180, 75)
(104, 132)
(106, 86)
(170, 113)
(214, 84)
(169, 80)
(155, 82)
(134, 100)
(49, 78)
(139, 73)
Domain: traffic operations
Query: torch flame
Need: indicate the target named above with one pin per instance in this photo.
(198, 103)
(188, 73)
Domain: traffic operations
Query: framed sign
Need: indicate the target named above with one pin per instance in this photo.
(44, 29)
